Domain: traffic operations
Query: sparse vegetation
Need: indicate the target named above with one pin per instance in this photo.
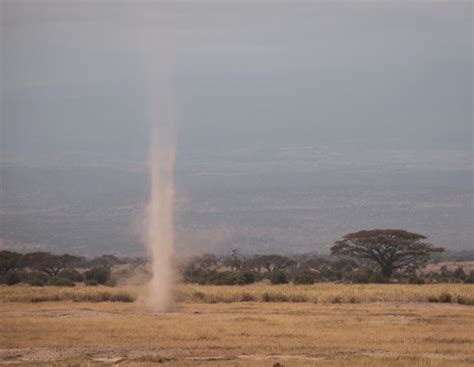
(328, 293)
(258, 292)
(99, 275)
(239, 300)
(40, 269)
(236, 334)
(52, 293)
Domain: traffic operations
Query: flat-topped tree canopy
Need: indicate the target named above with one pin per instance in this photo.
(48, 263)
(391, 249)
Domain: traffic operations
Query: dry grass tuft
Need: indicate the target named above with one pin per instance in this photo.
(329, 293)
(325, 293)
(26, 294)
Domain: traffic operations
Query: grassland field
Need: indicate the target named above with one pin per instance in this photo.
(324, 324)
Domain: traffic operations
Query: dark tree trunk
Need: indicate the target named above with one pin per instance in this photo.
(387, 271)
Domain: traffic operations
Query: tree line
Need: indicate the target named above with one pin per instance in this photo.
(380, 256)
(43, 268)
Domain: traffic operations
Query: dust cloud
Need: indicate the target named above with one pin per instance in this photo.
(159, 229)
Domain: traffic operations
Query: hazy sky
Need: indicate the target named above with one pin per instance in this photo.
(296, 121)
(373, 74)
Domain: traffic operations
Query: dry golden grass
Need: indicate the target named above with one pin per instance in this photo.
(318, 325)
(317, 293)
(237, 334)
(329, 293)
(80, 293)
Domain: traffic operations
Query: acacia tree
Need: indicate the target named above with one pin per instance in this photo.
(391, 249)
(235, 260)
(8, 261)
(205, 263)
(48, 263)
(270, 263)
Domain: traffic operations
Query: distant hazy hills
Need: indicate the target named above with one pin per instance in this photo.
(285, 204)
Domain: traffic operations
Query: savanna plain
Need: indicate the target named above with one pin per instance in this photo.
(325, 324)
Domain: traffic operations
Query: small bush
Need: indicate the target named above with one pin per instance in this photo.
(199, 296)
(248, 277)
(247, 297)
(53, 298)
(378, 278)
(353, 299)
(121, 276)
(37, 279)
(12, 277)
(71, 274)
(445, 297)
(465, 300)
(103, 297)
(274, 297)
(60, 282)
(469, 278)
(298, 298)
(360, 276)
(459, 273)
(278, 277)
(122, 297)
(99, 275)
(304, 278)
(415, 279)
(224, 278)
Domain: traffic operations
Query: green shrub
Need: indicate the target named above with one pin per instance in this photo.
(378, 278)
(415, 279)
(248, 277)
(220, 277)
(304, 278)
(469, 278)
(459, 273)
(71, 274)
(100, 275)
(224, 278)
(37, 279)
(60, 282)
(359, 276)
(12, 277)
(278, 277)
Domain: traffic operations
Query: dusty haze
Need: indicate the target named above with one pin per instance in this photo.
(157, 59)
(160, 227)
